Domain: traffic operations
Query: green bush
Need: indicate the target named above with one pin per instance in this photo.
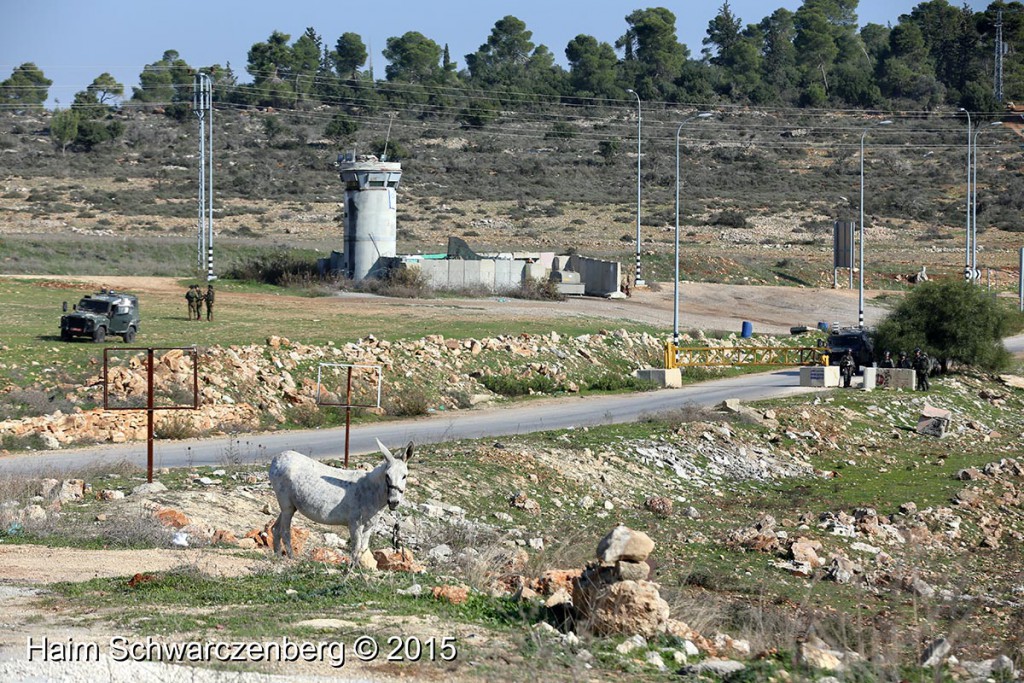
(951, 320)
(516, 385)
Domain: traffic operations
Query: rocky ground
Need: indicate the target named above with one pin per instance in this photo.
(866, 544)
(259, 386)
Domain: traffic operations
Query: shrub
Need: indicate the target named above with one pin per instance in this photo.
(951, 320)
(407, 402)
(612, 381)
(174, 426)
(537, 290)
(730, 219)
(409, 283)
(307, 415)
(516, 385)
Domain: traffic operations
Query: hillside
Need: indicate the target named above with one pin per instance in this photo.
(760, 189)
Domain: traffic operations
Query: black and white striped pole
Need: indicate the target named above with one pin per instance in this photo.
(860, 264)
(203, 108)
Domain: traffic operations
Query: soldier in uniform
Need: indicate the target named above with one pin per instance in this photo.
(209, 302)
(887, 361)
(922, 368)
(191, 297)
(846, 368)
(904, 362)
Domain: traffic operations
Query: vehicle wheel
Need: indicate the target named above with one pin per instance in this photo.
(65, 335)
(129, 336)
(99, 335)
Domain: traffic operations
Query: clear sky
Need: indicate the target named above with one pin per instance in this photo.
(73, 41)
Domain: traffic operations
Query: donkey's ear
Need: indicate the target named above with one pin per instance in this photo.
(408, 452)
(384, 449)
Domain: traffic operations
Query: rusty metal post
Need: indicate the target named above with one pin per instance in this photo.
(348, 412)
(149, 416)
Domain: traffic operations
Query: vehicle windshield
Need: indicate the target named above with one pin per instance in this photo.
(93, 306)
(846, 340)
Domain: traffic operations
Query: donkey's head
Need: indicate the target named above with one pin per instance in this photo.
(395, 473)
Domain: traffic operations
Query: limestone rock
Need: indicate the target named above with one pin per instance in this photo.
(623, 543)
(400, 561)
(623, 608)
(456, 595)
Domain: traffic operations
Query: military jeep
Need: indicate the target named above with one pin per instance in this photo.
(102, 314)
(852, 339)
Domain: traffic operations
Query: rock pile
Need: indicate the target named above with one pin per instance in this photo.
(613, 595)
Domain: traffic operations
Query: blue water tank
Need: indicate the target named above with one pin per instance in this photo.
(823, 326)
(748, 329)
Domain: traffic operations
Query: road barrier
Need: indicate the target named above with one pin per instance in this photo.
(712, 356)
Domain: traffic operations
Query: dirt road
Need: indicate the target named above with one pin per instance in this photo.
(701, 305)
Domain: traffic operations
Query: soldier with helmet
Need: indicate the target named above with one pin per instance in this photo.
(922, 368)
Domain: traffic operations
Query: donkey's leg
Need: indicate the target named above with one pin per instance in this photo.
(366, 535)
(283, 531)
(355, 541)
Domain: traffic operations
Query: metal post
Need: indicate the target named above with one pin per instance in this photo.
(675, 289)
(1020, 278)
(860, 270)
(860, 295)
(209, 244)
(967, 246)
(348, 413)
(149, 416)
(199, 108)
(638, 279)
(975, 273)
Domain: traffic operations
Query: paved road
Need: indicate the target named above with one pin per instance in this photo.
(1014, 345)
(532, 416)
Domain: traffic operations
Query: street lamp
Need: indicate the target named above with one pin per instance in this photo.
(974, 202)
(675, 291)
(860, 296)
(637, 280)
(967, 244)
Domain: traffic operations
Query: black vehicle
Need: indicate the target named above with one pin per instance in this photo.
(99, 315)
(852, 339)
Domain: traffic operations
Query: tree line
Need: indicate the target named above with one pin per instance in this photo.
(817, 56)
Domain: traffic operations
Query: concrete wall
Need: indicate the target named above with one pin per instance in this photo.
(495, 276)
(600, 278)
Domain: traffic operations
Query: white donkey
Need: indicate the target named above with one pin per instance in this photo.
(331, 495)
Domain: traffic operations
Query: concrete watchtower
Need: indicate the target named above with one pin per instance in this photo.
(371, 203)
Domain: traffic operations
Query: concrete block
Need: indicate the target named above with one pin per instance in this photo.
(670, 378)
(819, 376)
(896, 378)
(537, 271)
(933, 421)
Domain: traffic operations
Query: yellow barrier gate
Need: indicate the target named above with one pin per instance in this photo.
(708, 356)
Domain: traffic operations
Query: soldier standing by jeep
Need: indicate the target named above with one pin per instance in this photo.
(922, 368)
(209, 302)
(191, 296)
(846, 368)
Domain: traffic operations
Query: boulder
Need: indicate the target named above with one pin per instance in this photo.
(659, 505)
(622, 608)
(397, 561)
(623, 543)
(71, 489)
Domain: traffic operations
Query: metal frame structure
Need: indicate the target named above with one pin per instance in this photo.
(150, 408)
(719, 356)
(348, 405)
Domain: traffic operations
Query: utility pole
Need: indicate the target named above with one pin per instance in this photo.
(1000, 51)
(202, 106)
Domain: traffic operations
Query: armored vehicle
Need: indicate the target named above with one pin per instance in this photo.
(854, 339)
(102, 314)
